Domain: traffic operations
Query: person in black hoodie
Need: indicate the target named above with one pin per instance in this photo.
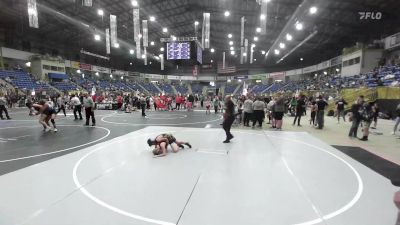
(321, 103)
(300, 108)
(355, 116)
(367, 116)
(340, 109)
(229, 117)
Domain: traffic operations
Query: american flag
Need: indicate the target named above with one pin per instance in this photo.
(226, 70)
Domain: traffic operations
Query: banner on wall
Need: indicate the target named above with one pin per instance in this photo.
(153, 76)
(257, 76)
(75, 65)
(169, 77)
(85, 66)
(188, 78)
(241, 77)
(101, 69)
(277, 76)
(120, 72)
(310, 69)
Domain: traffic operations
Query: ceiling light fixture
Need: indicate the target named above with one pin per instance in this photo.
(231, 43)
(313, 10)
(276, 51)
(196, 23)
(165, 30)
(161, 49)
(255, 38)
(299, 26)
(232, 52)
(143, 56)
(152, 43)
(232, 48)
(263, 52)
(131, 51)
(97, 37)
(100, 12)
(282, 45)
(152, 18)
(258, 29)
(116, 45)
(301, 59)
(135, 3)
(289, 37)
(263, 17)
(227, 13)
(229, 35)
(212, 50)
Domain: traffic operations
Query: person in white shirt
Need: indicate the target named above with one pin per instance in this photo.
(89, 105)
(61, 104)
(248, 111)
(77, 106)
(3, 103)
(259, 114)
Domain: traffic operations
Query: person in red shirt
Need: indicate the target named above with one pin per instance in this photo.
(119, 101)
(178, 101)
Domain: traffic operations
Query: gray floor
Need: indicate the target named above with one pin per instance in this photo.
(260, 178)
(22, 137)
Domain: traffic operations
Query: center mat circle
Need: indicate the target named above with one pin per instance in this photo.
(296, 142)
(25, 142)
(180, 119)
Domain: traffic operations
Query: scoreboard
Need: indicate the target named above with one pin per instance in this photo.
(178, 50)
(184, 52)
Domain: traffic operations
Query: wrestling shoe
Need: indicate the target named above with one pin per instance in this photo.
(189, 145)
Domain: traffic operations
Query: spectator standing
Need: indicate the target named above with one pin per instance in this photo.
(340, 109)
(61, 104)
(142, 101)
(322, 104)
(89, 105)
(375, 109)
(367, 117)
(278, 111)
(355, 116)
(258, 111)
(216, 104)
(300, 108)
(3, 103)
(248, 111)
(397, 119)
(77, 106)
(229, 117)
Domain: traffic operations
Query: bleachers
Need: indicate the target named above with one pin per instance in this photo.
(22, 80)
(167, 88)
(230, 88)
(259, 88)
(182, 89)
(197, 88)
(64, 85)
(134, 86)
(150, 88)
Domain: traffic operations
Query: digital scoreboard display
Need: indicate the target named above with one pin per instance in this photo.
(178, 50)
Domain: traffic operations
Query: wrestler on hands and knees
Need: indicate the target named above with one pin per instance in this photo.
(161, 143)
